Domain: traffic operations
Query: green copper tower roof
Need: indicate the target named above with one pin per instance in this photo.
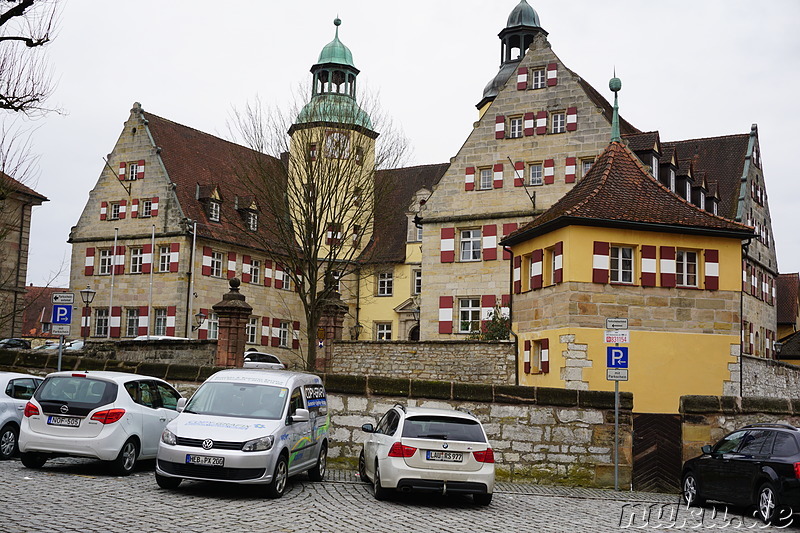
(523, 15)
(335, 51)
(615, 84)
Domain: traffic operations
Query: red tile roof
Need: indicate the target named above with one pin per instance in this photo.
(619, 191)
(787, 290)
(9, 185)
(38, 309)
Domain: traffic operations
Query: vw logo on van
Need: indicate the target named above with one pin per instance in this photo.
(208, 444)
(64, 409)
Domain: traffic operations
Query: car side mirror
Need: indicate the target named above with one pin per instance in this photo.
(181, 404)
(368, 428)
(300, 415)
(706, 449)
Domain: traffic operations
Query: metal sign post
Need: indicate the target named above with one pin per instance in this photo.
(617, 363)
(61, 318)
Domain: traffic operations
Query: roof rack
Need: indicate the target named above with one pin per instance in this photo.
(400, 406)
(465, 410)
(770, 425)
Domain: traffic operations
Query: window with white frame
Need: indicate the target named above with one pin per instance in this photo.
(283, 334)
(101, 322)
(286, 279)
(538, 79)
(469, 315)
(416, 281)
(133, 171)
(146, 208)
(470, 245)
(136, 260)
(672, 179)
(213, 211)
(255, 271)
(654, 166)
(536, 355)
(160, 321)
(383, 331)
(132, 322)
(216, 264)
(213, 326)
(688, 191)
(485, 179)
(515, 127)
(163, 258)
(106, 259)
(559, 121)
(586, 164)
(252, 221)
(621, 264)
(251, 330)
(114, 215)
(686, 268)
(385, 284)
(536, 176)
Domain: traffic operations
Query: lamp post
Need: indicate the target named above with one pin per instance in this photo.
(356, 330)
(87, 295)
(199, 318)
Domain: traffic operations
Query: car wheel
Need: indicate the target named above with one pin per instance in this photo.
(125, 462)
(482, 499)
(318, 472)
(767, 505)
(691, 494)
(378, 491)
(33, 460)
(279, 478)
(362, 467)
(167, 482)
(8, 442)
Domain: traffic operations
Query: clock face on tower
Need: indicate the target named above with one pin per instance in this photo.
(337, 144)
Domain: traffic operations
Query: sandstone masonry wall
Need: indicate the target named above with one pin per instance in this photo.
(468, 362)
(765, 378)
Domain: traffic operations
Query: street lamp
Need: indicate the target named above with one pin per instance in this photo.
(199, 318)
(356, 330)
(87, 295)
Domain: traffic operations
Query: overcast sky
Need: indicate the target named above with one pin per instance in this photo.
(689, 69)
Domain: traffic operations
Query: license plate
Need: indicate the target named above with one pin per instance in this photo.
(204, 460)
(64, 421)
(449, 457)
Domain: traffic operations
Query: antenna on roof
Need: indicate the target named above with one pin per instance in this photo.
(127, 188)
(531, 196)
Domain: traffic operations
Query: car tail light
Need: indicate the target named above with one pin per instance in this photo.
(796, 470)
(109, 416)
(486, 456)
(32, 410)
(400, 450)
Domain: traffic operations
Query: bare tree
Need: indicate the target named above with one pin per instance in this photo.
(318, 193)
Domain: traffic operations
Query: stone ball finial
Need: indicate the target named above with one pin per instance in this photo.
(234, 284)
(337, 21)
(615, 84)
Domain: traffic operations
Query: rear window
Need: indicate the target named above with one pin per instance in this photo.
(444, 428)
(785, 445)
(261, 358)
(76, 390)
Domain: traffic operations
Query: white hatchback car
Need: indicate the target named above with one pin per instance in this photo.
(111, 416)
(15, 391)
(417, 449)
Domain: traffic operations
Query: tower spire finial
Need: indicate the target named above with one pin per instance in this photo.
(615, 84)
(337, 22)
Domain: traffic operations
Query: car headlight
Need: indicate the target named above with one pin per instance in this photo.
(259, 445)
(168, 437)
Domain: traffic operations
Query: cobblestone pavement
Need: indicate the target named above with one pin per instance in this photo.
(80, 495)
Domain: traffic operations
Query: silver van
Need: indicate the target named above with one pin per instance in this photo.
(248, 426)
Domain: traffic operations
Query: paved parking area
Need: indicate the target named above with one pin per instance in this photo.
(79, 495)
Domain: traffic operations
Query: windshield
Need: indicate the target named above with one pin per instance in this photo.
(241, 400)
(444, 428)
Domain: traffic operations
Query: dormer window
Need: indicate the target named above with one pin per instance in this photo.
(213, 211)
(655, 166)
(252, 221)
(672, 180)
(702, 201)
(688, 191)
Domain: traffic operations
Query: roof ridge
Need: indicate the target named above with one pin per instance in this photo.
(731, 136)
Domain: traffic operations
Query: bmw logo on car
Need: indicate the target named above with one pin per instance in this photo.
(444, 445)
(208, 444)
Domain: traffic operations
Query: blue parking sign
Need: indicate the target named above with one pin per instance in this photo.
(617, 356)
(62, 314)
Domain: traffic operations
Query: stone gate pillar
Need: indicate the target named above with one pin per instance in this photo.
(331, 323)
(233, 312)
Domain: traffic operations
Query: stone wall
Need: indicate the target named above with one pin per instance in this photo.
(194, 352)
(538, 434)
(764, 378)
(706, 419)
(467, 361)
